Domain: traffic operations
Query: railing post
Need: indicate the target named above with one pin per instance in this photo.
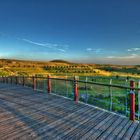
(11, 79)
(34, 83)
(76, 89)
(132, 101)
(49, 84)
(139, 100)
(110, 92)
(23, 81)
(6, 80)
(126, 99)
(66, 84)
(2, 79)
(86, 89)
(16, 80)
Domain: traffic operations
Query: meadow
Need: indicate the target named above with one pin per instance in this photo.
(63, 68)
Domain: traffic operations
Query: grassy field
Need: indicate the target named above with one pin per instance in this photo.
(63, 68)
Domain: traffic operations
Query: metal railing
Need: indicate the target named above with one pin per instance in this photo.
(124, 99)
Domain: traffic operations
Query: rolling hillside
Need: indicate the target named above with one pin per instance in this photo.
(61, 67)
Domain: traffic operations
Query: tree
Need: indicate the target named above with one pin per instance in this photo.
(117, 76)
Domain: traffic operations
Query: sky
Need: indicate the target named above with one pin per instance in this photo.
(83, 31)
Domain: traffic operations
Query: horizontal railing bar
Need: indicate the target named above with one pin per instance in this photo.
(97, 83)
(79, 81)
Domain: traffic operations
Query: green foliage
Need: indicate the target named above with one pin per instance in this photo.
(39, 75)
(3, 73)
(61, 67)
(22, 74)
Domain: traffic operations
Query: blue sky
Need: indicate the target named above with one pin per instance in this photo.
(87, 31)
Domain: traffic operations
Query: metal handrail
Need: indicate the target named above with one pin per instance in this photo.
(96, 83)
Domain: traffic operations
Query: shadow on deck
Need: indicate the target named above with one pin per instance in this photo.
(28, 115)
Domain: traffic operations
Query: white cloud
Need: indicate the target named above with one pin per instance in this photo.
(57, 47)
(62, 50)
(109, 57)
(89, 49)
(35, 43)
(129, 50)
(96, 51)
(133, 49)
(122, 57)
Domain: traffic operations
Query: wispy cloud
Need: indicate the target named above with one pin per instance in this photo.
(122, 57)
(96, 51)
(62, 50)
(35, 43)
(89, 49)
(56, 47)
(133, 49)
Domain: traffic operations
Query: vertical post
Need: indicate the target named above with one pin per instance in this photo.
(126, 98)
(6, 80)
(86, 89)
(55, 86)
(139, 100)
(2, 79)
(49, 84)
(44, 85)
(23, 81)
(11, 79)
(66, 85)
(110, 92)
(34, 83)
(16, 80)
(132, 101)
(76, 89)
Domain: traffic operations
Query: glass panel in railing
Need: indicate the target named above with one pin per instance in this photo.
(119, 100)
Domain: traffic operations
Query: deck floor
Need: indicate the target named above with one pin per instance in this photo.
(25, 115)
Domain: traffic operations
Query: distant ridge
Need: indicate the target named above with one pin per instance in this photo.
(60, 61)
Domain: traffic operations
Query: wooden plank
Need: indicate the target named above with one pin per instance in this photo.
(72, 123)
(121, 130)
(47, 125)
(111, 128)
(100, 128)
(47, 111)
(28, 115)
(89, 126)
(49, 103)
(83, 127)
(136, 134)
(130, 131)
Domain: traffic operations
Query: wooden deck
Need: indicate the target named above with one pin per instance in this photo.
(25, 115)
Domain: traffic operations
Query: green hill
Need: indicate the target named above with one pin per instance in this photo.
(62, 67)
